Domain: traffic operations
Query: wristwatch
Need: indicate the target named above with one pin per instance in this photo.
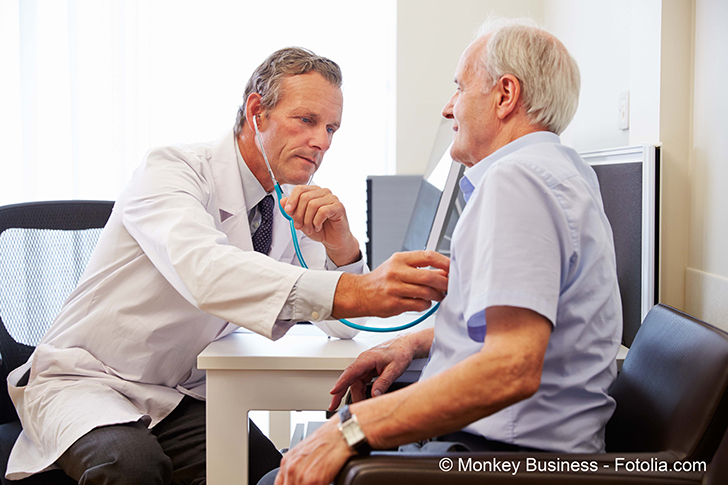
(352, 432)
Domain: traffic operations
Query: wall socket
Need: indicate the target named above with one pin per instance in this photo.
(624, 110)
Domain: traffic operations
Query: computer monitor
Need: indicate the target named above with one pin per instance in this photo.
(437, 208)
(423, 213)
(449, 208)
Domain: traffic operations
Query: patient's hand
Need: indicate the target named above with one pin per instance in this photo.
(317, 459)
(388, 360)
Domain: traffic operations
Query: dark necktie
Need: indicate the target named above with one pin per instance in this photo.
(264, 234)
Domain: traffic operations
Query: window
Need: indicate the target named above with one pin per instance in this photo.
(90, 85)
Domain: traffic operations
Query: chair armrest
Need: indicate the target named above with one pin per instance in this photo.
(424, 469)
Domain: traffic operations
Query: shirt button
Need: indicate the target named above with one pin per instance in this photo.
(314, 315)
(255, 225)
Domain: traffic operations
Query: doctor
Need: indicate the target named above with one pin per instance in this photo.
(195, 248)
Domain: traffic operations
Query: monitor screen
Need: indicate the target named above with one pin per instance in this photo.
(437, 208)
(438, 176)
(423, 214)
(448, 212)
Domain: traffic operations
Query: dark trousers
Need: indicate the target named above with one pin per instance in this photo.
(173, 452)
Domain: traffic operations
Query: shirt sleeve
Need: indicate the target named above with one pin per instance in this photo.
(312, 298)
(517, 236)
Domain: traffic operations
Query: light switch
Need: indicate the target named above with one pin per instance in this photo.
(624, 110)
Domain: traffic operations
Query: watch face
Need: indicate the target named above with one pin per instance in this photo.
(352, 432)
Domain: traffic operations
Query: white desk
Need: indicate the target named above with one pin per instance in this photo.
(248, 372)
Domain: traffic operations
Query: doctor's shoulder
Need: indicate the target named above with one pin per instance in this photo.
(196, 155)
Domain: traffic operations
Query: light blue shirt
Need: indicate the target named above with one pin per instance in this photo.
(534, 235)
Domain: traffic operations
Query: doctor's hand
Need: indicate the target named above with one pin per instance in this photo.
(317, 459)
(388, 360)
(322, 217)
(400, 284)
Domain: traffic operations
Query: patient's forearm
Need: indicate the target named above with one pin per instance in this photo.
(436, 406)
(504, 372)
(421, 342)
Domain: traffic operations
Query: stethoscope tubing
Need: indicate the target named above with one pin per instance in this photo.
(353, 325)
(302, 262)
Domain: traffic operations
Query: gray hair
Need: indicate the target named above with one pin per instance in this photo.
(268, 77)
(549, 76)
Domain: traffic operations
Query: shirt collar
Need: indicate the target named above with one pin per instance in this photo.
(253, 192)
(474, 175)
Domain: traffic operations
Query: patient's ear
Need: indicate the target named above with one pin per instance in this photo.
(508, 90)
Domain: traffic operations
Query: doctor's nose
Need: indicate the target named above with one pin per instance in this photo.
(321, 140)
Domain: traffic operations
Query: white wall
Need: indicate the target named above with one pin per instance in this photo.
(707, 274)
(642, 46)
(645, 56)
(431, 35)
(597, 34)
(616, 43)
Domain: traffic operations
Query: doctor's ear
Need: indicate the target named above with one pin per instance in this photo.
(253, 109)
(260, 120)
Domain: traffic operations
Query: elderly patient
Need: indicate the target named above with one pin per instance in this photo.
(523, 348)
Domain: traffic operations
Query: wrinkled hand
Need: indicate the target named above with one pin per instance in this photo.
(388, 360)
(322, 217)
(317, 459)
(400, 284)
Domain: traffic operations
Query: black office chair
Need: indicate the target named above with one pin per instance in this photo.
(672, 404)
(44, 248)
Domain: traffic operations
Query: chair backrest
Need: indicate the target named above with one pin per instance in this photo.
(671, 392)
(44, 248)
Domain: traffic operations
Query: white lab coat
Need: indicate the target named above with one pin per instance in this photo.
(173, 266)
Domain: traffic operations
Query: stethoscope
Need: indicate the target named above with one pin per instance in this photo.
(279, 194)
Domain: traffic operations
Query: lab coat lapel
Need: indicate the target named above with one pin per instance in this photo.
(237, 229)
(229, 192)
